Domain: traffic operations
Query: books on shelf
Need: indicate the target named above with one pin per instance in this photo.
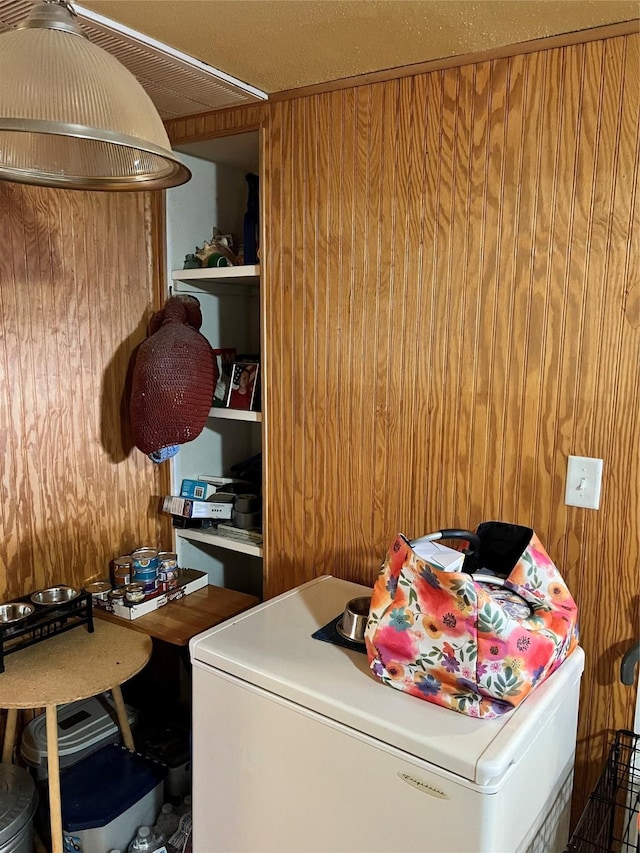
(240, 534)
(220, 481)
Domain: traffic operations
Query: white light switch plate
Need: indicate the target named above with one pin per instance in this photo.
(584, 480)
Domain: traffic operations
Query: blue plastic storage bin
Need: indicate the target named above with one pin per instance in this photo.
(107, 796)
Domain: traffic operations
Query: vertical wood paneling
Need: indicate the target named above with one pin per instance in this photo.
(221, 122)
(451, 274)
(450, 315)
(404, 316)
(76, 288)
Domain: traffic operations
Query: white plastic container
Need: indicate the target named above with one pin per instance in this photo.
(107, 796)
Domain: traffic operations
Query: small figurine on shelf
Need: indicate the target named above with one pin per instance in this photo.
(220, 244)
(192, 263)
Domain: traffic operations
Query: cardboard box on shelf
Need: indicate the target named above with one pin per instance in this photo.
(197, 490)
(189, 508)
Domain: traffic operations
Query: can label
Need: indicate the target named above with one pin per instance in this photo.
(135, 592)
(144, 575)
(122, 571)
(168, 574)
(168, 578)
(145, 558)
(122, 576)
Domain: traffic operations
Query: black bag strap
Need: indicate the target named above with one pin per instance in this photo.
(501, 545)
(496, 546)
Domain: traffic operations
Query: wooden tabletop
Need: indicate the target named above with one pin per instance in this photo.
(178, 621)
(73, 665)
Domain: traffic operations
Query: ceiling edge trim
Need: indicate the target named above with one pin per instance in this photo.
(624, 28)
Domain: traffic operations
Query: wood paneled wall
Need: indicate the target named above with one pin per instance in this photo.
(452, 307)
(220, 123)
(453, 281)
(78, 276)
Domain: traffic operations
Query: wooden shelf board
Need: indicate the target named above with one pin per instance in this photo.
(213, 277)
(207, 537)
(235, 415)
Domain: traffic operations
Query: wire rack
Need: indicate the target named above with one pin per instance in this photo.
(44, 623)
(610, 819)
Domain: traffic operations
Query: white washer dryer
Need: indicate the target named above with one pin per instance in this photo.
(297, 747)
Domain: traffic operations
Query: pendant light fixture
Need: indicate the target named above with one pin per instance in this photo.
(72, 116)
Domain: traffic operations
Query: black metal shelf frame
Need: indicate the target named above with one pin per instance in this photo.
(45, 622)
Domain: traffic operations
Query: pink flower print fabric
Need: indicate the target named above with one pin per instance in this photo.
(476, 649)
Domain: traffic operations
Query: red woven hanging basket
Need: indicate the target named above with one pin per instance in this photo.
(174, 377)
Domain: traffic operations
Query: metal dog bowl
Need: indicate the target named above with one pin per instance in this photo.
(15, 611)
(354, 619)
(55, 595)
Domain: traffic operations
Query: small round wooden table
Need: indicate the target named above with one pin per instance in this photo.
(71, 666)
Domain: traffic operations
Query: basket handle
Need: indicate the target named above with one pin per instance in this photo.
(628, 664)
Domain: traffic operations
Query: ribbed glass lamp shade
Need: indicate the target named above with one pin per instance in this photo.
(72, 116)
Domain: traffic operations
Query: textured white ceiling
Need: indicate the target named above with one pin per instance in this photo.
(284, 44)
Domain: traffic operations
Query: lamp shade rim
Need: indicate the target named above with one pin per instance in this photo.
(179, 174)
(110, 184)
(83, 131)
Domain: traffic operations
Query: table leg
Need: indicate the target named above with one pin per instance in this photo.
(9, 735)
(53, 766)
(123, 719)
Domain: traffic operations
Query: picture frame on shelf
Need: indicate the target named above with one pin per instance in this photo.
(242, 388)
(225, 359)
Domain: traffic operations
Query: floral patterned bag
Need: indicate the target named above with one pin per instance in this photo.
(476, 643)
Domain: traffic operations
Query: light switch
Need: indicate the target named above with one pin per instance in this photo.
(584, 480)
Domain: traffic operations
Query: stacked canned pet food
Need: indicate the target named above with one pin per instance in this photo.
(143, 573)
(145, 568)
(167, 570)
